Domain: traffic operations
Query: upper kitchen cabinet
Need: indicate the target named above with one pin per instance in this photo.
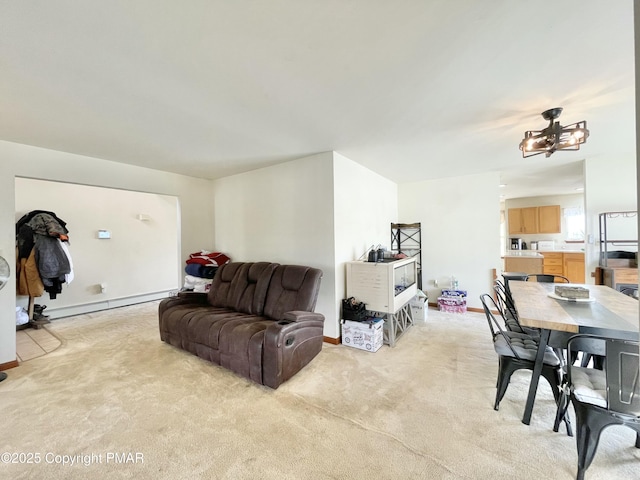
(549, 219)
(523, 220)
(534, 220)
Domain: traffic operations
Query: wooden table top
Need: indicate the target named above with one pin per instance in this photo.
(612, 314)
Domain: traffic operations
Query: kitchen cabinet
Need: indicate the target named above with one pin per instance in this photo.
(524, 264)
(528, 220)
(549, 219)
(552, 263)
(567, 264)
(523, 220)
(573, 267)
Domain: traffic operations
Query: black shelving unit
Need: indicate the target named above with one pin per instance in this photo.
(407, 238)
(606, 242)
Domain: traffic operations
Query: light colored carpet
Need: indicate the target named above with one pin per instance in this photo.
(422, 410)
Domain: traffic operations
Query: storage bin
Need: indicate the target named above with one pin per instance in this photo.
(363, 335)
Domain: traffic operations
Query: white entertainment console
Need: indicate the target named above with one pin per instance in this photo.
(386, 288)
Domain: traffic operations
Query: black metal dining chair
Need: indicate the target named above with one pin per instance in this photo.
(517, 351)
(630, 291)
(547, 278)
(513, 277)
(601, 398)
(507, 309)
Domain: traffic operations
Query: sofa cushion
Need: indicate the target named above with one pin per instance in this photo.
(176, 318)
(204, 327)
(249, 287)
(292, 287)
(219, 295)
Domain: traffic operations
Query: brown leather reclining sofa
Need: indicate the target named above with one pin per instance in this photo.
(257, 320)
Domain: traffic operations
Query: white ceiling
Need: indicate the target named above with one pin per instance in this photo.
(410, 89)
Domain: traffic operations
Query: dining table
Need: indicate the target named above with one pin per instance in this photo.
(606, 312)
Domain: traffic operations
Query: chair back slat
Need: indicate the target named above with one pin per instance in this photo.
(623, 369)
(507, 308)
(505, 303)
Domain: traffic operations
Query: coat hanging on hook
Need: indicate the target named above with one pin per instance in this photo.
(43, 262)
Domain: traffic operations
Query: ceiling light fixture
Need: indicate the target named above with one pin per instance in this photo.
(554, 137)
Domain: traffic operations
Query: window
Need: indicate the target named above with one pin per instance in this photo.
(574, 223)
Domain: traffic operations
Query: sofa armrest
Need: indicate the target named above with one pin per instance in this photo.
(194, 297)
(183, 298)
(289, 345)
(301, 316)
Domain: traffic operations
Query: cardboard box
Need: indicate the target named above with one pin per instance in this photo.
(452, 301)
(452, 308)
(452, 304)
(363, 335)
(446, 292)
(419, 306)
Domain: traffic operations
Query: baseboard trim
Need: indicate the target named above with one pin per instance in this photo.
(8, 365)
(331, 340)
(71, 310)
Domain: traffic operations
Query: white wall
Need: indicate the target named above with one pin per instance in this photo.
(284, 214)
(610, 186)
(16, 160)
(139, 259)
(365, 206)
(460, 220)
(565, 201)
(320, 211)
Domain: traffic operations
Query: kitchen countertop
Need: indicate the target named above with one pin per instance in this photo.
(562, 250)
(520, 253)
(523, 253)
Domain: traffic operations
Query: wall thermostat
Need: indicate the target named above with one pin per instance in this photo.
(104, 234)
